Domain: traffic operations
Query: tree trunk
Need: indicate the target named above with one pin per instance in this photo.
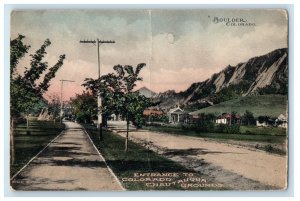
(100, 132)
(12, 144)
(126, 140)
(27, 125)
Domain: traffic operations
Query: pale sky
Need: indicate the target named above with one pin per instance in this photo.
(180, 47)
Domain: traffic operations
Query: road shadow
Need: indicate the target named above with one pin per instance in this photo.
(193, 152)
(79, 163)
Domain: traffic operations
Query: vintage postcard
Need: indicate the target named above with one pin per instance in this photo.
(158, 99)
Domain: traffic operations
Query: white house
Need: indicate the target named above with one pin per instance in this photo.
(221, 121)
(261, 124)
(177, 115)
(226, 118)
(281, 121)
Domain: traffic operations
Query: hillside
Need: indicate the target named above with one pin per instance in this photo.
(146, 92)
(260, 105)
(266, 74)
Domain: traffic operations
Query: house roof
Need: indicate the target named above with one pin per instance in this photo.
(228, 116)
(281, 117)
(176, 110)
(149, 112)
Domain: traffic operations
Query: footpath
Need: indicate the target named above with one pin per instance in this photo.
(70, 162)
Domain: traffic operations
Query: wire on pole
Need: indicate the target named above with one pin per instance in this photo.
(99, 101)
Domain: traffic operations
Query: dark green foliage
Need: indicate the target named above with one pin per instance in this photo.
(25, 92)
(203, 123)
(84, 106)
(206, 91)
(228, 71)
(158, 118)
(248, 118)
(118, 97)
(51, 74)
(37, 66)
(17, 51)
(27, 146)
(54, 105)
(267, 119)
(230, 92)
(229, 129)
(272, 135)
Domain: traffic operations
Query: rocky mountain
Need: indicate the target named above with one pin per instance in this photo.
(146, 92)
(266, 74)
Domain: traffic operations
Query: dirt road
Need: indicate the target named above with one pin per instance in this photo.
(70, 162)
(236, 167)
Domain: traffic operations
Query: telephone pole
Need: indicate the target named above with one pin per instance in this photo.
(99, 100)
(61, 97)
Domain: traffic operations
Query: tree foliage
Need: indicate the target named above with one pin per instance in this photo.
(84, 106)
(248, 118)
(54, 105)
(117, 94)
(25, 90)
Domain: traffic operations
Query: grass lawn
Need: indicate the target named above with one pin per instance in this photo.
(271, 105)
(28, 144)
(274, 131)
(275, 135)
(139, 160)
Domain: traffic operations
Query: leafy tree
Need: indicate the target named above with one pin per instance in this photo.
(54, 105)
(25, 90)
(118, 96)
(84, 106)
(248, 118)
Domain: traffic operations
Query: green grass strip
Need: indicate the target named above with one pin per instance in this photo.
(31, 141)
(140, 168)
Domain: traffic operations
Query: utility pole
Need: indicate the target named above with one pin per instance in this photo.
(99, 100)
(61, 98)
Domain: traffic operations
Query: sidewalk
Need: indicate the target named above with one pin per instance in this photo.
(70, 162)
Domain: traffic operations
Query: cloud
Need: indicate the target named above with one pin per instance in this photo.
(195, 56)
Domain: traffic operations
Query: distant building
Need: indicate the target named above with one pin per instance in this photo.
(148, 113)
(281, 121)
(115, 117)
(265, 121)
(262, 124)
(230, 119)
(177, 115)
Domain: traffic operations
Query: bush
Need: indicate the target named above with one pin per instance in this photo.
(223, 128)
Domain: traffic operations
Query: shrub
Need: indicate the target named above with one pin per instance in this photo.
(224, 128)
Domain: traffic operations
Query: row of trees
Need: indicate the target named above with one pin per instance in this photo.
(27, 88)
(118, 97)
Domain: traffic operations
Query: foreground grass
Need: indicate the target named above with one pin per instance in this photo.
(254, 130)
(28, 142)
(276, 135)
(139, 160)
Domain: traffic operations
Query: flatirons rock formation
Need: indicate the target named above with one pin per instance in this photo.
(266, 74)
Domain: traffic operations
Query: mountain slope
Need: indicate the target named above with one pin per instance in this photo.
(259, 105)
(266, 74)
(146, 92)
